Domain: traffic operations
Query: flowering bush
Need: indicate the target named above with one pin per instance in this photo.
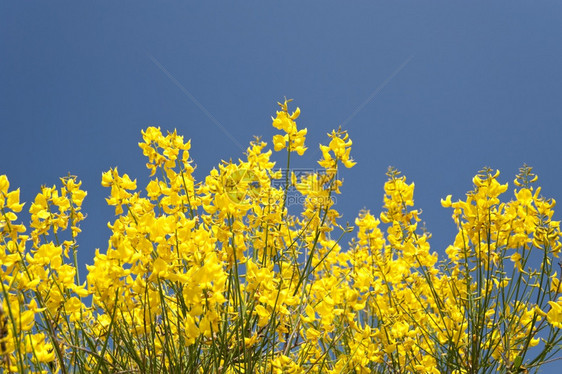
(217, 277)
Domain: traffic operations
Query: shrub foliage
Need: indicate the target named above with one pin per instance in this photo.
(220, 276)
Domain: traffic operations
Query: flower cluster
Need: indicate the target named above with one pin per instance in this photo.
(218, 276)
(42, 294)
(293, 139)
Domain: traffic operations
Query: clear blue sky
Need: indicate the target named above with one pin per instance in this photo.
(453, 86)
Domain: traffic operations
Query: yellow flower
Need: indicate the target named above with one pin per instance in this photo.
(340, 146)
(13, 201)
(447, 202)
(293, 139)
(279, 142)
(554, 315)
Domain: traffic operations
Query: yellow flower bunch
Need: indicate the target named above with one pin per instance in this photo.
(293, 139)
(224, 275)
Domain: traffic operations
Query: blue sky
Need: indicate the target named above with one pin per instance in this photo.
(438, 89)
